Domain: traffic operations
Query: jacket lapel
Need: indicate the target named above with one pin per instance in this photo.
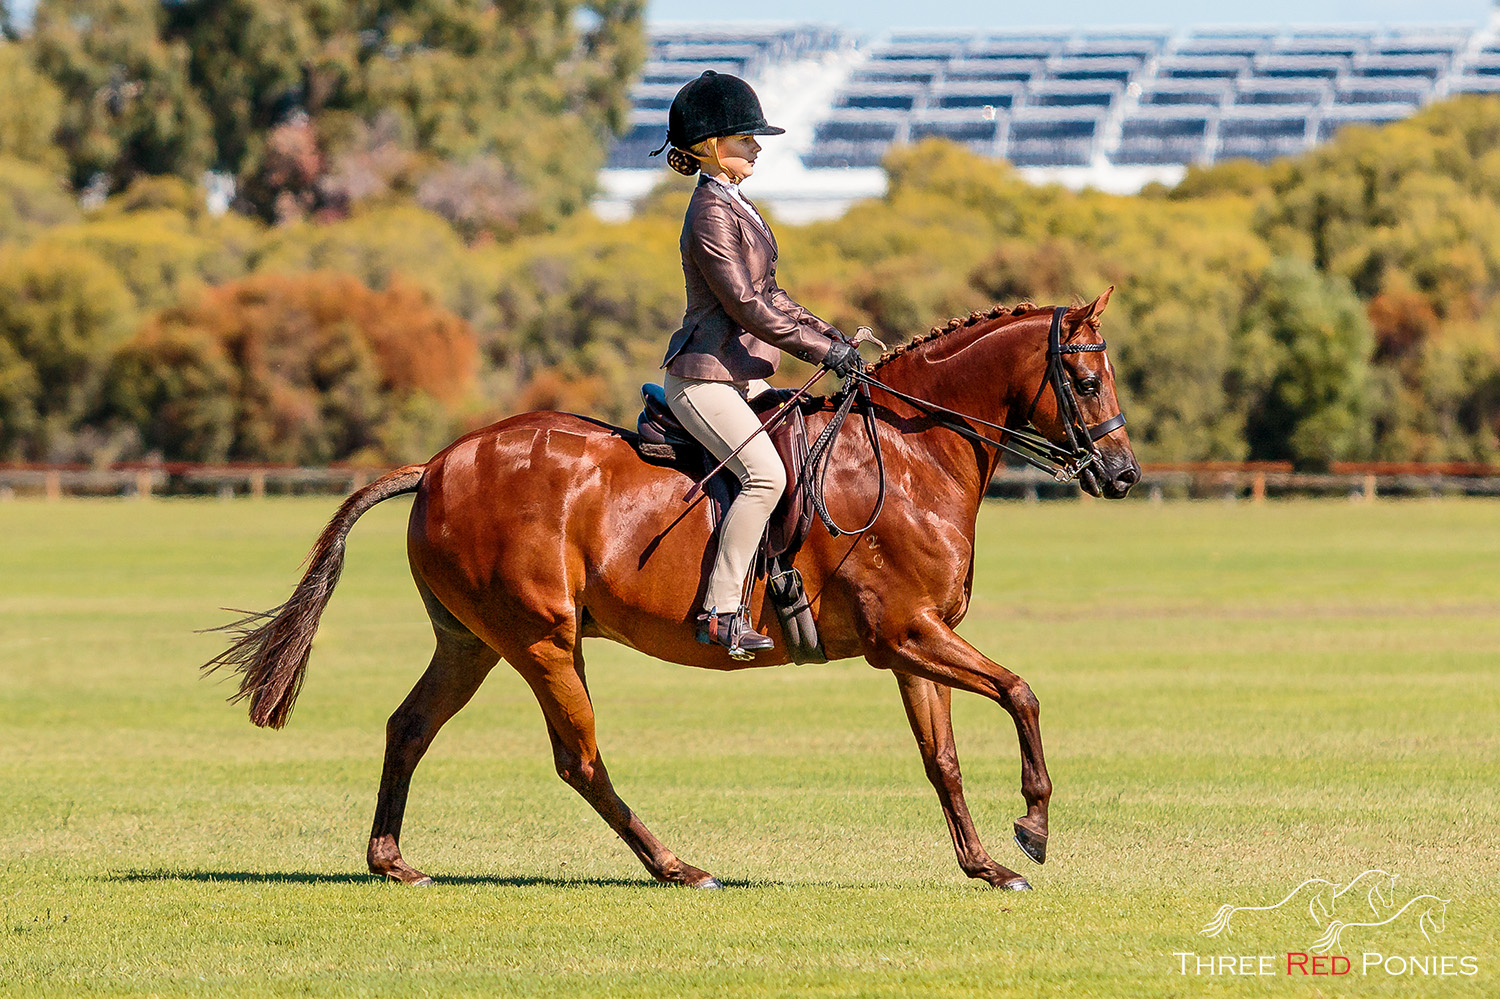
(764, 233)
(763, 227)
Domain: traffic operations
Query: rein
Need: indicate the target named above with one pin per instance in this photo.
(1063, 463)
(817, 455)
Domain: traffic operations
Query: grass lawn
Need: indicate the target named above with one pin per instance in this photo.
(1235, 698)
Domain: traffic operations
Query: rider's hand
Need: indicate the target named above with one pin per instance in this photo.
(843, 359)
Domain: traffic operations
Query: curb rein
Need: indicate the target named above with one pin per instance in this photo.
(1063, 463)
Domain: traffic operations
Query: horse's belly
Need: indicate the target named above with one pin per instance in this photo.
(532, 520)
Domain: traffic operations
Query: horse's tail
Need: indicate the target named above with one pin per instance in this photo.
(1330, 937)
(1219, 922)
(271, 651)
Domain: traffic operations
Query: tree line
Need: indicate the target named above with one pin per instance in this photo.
(407, 255)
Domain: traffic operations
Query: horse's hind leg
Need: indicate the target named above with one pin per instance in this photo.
(459, 666)
(929, 709)
(555, 673)
(928, 648)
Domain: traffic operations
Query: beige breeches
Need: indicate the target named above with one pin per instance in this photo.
(718, 415)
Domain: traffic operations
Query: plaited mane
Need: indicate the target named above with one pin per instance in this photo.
(955, 323)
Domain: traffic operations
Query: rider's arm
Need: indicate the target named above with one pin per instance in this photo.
(786, 304)
(717, 251)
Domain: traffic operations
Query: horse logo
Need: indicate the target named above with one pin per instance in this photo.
(1322, 898)
(1432, 912)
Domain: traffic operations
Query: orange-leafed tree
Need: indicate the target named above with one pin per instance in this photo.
(303, 369)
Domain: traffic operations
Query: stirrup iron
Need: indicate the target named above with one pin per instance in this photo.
(732, 631)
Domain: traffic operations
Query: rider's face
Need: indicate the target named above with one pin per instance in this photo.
(737, 155)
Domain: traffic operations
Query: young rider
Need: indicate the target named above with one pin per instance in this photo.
(736, 325)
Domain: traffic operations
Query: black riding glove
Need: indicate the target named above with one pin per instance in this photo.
(843, 359)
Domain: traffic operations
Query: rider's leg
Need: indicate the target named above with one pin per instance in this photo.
(717, 414)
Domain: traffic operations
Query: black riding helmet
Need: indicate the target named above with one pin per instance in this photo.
(715, 104)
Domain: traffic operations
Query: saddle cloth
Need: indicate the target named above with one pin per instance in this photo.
(664, 441)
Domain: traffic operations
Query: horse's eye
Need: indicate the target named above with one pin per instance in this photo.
(1088, 386)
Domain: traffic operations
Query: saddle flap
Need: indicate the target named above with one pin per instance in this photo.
(792, 518)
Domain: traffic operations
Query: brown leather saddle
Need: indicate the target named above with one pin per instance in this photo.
(662, 440)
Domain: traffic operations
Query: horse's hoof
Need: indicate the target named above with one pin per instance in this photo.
(1032, 844)
(1019, 884)
(709, 884)
(419, 881)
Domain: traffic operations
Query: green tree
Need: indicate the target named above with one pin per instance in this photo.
(537, 87)
(1313, 409)
(1416, 202)
(31, 111)
(957, 232)
(161, 253)
(130, 107)
(63, 313)
(32, 199)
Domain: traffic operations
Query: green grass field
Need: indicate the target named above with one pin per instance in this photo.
(1234, 698)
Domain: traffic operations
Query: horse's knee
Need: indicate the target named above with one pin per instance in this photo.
(405, 730)
(575, 771)
(943, 769)
(1023, 701)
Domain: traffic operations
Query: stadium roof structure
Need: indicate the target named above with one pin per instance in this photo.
(1106, 108)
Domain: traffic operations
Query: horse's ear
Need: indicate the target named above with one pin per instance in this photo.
(1090, 313)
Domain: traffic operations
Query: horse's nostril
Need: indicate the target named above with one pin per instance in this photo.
(1130, 476)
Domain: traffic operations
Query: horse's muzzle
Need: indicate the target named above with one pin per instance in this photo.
(1112, 476)
(1117, 487)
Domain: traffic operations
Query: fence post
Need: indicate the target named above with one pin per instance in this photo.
(143, 484)
(1370, 487)
(1258, 488)
(258, 484)
(52, 483)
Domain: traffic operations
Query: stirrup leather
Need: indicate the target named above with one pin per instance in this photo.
(732, 631)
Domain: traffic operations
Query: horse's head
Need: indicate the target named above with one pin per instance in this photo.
(1090, 380)
(1437, 916)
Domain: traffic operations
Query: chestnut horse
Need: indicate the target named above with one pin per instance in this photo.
(532, 534)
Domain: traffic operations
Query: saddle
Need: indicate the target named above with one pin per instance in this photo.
(662, 440)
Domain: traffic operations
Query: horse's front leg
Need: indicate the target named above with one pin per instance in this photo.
(928, 648)
(929, 709)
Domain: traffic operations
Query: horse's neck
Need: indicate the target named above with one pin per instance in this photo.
(977, 373)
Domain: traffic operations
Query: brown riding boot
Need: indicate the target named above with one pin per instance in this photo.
(732, 631)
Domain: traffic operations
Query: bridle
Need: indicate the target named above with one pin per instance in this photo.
(1080, 436)
(1063, 463)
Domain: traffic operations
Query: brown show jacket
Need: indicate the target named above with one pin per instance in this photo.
(737, 321)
